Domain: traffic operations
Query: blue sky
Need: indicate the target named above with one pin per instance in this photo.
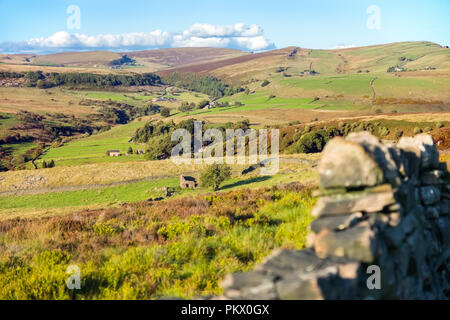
(264, 24)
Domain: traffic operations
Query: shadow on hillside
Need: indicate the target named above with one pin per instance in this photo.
(245, 182)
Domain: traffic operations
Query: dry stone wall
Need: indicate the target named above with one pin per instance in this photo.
(383, 213)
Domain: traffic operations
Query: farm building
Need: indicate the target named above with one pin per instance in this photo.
(187, 182)
(113, 153)
(140, 151)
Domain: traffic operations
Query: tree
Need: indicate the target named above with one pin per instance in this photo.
(130, 150)
(51, 164)
(312, 142)
(159, 147)
(165, 112)
(186, 107)
(214, 175)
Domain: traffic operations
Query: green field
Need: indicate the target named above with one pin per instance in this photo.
(254, 102)
(6, 122)
(359, 85)
(93, 149)
(133, 192)
(19, 148)
(111, 195)
(336, 92)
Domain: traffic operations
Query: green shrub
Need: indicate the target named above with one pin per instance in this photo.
(439, 125)
(265, 83)
(312, 142)
(214, 175)
(165, 112)
(159, 147)
(417, 130)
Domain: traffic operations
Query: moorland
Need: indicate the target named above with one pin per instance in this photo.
(64, 201)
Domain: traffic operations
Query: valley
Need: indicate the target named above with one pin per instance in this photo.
(126, 220)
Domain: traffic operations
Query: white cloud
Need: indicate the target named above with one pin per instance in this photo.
(238, 36)
(343, 46)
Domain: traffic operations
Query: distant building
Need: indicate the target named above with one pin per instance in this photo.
(187, 182)
(113, 153)
(140, 151)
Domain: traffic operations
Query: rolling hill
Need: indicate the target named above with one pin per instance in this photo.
(236, 65)
(411, 56)
(147, 60)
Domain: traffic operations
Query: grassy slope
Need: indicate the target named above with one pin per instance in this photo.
(72, 188)
(182, 248)
(93, 148)
(55, 100)
(49, 203)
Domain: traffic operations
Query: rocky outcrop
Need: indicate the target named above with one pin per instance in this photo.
(382, 228)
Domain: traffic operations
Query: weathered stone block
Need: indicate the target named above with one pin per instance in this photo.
(357, 243)
(423, 143)
(429, 195)
(336, 223)
(354, 202)
(432, 212)
(394, 236)
(385, 156)
(307, 286)
(444, 229)
(445, 207)
(432, 177)
(347, 164)
(409, 223)
(252, 285)
(283, 262)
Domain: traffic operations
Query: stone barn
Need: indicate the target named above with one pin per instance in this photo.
(113, 153)
(187, 182)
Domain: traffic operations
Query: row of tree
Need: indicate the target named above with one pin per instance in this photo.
(157, 135)
(52, 79)
(207, 84)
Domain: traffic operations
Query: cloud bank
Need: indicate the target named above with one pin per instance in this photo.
(239, 36)
(343, 46)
